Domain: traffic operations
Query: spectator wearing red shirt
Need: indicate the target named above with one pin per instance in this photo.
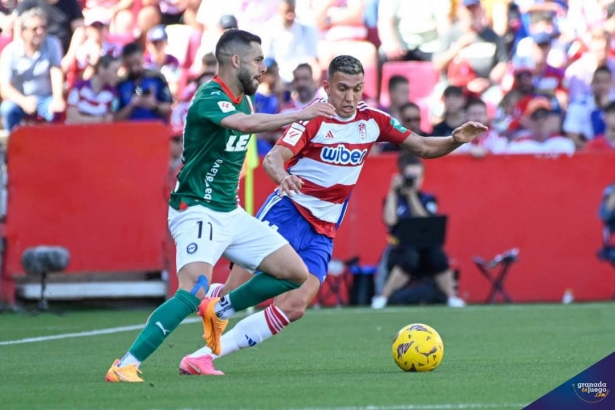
(94, 100)
(606, 141)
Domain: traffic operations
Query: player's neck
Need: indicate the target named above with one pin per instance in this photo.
(230, 81)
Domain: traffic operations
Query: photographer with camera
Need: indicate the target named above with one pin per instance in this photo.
(143, 94)
(426, 269)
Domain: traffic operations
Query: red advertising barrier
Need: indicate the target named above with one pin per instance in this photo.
(100, 191)
(547, 207)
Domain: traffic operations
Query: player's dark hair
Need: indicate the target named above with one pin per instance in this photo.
(397, 80)
(131, 49)
(234, 42)
(345, 64)
(406, 159)
(304, 66)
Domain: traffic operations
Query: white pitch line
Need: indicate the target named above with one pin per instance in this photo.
(400, 309)
(443, 406)
(97, 332)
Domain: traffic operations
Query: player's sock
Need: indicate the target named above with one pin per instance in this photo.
(160, 324)
(214, 290)
(260, 288)
(249, 332)
(127, 360)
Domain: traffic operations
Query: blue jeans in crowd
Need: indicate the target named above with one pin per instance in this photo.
(13, 114)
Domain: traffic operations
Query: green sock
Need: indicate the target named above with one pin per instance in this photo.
(258, 289)
(162, 322)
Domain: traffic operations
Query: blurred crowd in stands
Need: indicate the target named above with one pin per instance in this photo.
(538, 72)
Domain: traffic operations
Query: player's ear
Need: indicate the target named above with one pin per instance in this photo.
(235, 61)
(326, 86)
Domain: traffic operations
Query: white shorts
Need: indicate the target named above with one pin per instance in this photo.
(204, 235)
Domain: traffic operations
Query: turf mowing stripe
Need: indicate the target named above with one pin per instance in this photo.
(98, 332)
(311, 312)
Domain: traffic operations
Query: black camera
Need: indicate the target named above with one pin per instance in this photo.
(142, 91)
(409, 181)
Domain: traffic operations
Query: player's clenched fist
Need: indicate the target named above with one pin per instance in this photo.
(317, 109)
(290, 184)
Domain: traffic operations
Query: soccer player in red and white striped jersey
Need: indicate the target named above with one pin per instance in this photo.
(316, 164)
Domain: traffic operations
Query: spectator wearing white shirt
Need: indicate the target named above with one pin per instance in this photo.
(540, 135)
(584, 119)
(290, 42)
(409, 29)
(579, 74)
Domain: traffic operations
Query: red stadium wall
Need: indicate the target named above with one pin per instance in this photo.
(98, 191)
(547, 207)
(101, 192)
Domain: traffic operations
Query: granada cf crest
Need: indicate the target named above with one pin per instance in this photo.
(362, 130)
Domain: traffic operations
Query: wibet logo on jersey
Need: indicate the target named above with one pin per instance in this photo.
(341, 155)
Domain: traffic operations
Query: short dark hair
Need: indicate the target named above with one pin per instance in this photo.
(105, 61)
(453, 91)
(345, 64)
(234, 42)
(406, 159)
(475, 101)
(409, 104)
(304, 66)
(131, 49)
(397, 80)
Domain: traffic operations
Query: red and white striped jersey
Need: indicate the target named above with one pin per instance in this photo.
(329, 155)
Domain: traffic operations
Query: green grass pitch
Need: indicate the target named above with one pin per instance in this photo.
(496, 357)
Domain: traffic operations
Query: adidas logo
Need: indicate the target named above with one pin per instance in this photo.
(250, 341)
(330, 135)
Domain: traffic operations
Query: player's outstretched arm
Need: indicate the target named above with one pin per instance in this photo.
(256, 123)
(274, 166)
(434, 147)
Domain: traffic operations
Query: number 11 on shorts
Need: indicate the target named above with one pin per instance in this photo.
(211, 230)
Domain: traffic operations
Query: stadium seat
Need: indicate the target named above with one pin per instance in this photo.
(423, 78)
(4, 41)
(504, 261)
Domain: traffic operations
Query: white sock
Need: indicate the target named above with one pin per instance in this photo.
(214, 290)
(249, 332)
(127, 360)
(224, 309)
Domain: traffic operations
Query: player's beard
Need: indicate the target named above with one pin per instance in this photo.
(246, 81)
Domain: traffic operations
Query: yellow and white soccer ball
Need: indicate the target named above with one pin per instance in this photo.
(418, 348)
